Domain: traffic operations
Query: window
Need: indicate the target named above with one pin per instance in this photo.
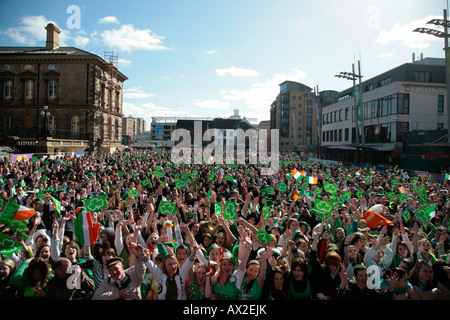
(440, 104)
(28, 67)
(309, 102)
(308, 122)
(75, 125)
(340, 134)
(347, 113)
(346, 134)
(422, 76)
(340, 115)
(29, 89)
(401, 127)
(385, 81)
(309, 110)
(8, 123)
(403, 103)
(440, 126)
(52, 89)
(7, 89)
(51, 66)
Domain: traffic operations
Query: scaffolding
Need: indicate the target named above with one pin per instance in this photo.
(112, 60)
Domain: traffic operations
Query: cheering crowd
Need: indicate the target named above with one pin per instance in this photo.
(164, 231)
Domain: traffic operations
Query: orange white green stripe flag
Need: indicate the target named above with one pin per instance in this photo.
(15, 211)
(298, 175)
(402, 190)
(311, 180)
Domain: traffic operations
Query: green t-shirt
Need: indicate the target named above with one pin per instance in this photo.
(304, 295)
(226, 292)
(253, 294)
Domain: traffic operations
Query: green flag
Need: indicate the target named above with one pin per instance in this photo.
(8, 246)
(323, 206)
(282, 186)
(406, 215)
(145, 182)
(217, 209)
(346, 196)
(230, 210)
(167, 207)
(159, 174)
(263, 236)
(180, 183)
(266, 211)
(56, 205)
(423, 215)
(330, 187)
(97, 203)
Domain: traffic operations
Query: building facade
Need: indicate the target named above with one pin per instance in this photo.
(410, 97)
(131, 128)
(295, 113)
(80, 91)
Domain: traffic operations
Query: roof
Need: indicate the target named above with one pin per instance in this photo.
(39, 53)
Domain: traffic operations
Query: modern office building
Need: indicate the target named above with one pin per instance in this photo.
(407, 98)
(295, 114)
(131, 128)
(63, 93)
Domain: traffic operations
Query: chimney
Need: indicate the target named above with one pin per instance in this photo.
(52, 36)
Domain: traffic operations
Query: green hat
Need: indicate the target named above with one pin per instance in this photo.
(211, 247)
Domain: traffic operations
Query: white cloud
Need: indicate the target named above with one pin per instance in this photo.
(236, 72)
(30, 31)
(81, 41)
(261, 94)
(124, 62)
(211, 52)
(108, 19)
(137, 93)
(127, 38)
(405, 35)
(213, 104)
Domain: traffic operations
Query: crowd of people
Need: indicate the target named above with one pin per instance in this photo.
(278, 245)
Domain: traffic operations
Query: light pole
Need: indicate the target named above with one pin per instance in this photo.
(446, 24)
(358, 101)
(45, 114)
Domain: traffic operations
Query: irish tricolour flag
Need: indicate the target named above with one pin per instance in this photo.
(14, 211)
(85, 231)
(298, 175)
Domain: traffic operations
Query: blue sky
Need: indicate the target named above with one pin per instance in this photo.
(209, 57)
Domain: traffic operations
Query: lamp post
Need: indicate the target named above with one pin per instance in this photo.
(358, 102)
(45, 114)
(446, 24)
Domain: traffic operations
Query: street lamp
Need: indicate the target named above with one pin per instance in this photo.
(357, 93)
(45, 114)
(446, 24)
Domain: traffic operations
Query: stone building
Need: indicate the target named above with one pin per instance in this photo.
(81, 91)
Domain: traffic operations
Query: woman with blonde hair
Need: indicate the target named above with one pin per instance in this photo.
(170, 276)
